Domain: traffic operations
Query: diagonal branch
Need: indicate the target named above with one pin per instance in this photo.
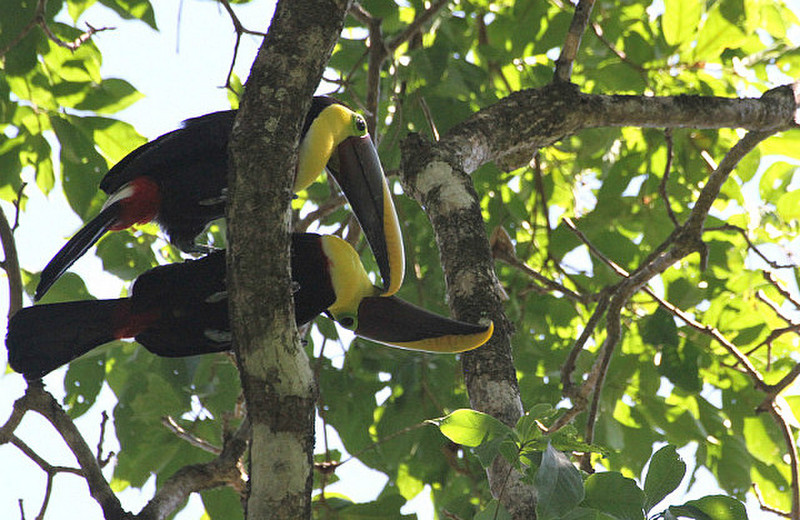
(37, 399)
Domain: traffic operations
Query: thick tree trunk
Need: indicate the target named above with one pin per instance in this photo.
(276, 379)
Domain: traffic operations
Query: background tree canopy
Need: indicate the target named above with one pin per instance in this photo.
(646, 261)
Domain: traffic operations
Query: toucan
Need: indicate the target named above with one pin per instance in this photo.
(181, 309)
(180, 181)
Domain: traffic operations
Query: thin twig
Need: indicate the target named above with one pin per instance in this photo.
(711, 331)
(598, 32)
(380, 50)
(376, 57)
(40, 401)
(686, 240)
(662, 187)
(429, 118)
(180, 432)
(11, 265)
(569, 364)
(770, 278)
(40, 20)
(240, 30)
(415, 26)
(743, 232)
(503, 249)
(322, 211)
(17, 205)
(772, 391)
(225, 469)
(572, 42)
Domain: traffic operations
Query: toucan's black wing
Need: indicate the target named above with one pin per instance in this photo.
(199, 140)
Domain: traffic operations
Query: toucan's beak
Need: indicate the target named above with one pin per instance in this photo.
(397, 323)
(360, 176)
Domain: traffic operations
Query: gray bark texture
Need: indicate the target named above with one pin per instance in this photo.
(276, 379)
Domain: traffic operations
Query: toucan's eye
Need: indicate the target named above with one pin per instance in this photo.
(360, 125)
(348, 321)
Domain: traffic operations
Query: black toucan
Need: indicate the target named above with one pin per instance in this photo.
(181, 309)
(180, 180)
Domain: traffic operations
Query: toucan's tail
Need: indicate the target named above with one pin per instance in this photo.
(44, 337)
(76, 247)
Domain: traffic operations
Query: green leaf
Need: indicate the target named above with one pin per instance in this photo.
(614, 494)
(680, 20)
(83, 382)
(82, 166)
(559, 486)
(112, 95)
(470, 427)
(660, 329)
(735, 463)
(385, 507)
(75, 8)
(775, 180)
(125, 254)
(113, 137)
(788, 206)
(69, 287)
(493, 511)
(407, 484)
(716, 35)
(664, 475)
(222, 503)
(133, 9)
(714, 507)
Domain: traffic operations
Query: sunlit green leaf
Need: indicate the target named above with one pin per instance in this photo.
(470, 427)
(664, 475)
(680, 20)
(616, 495)
(712, 508)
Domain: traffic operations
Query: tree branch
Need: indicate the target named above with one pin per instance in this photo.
(510, 131)
(40, 401)
(569, 51)
(431, 176)
(40, 20)
(11, 265)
